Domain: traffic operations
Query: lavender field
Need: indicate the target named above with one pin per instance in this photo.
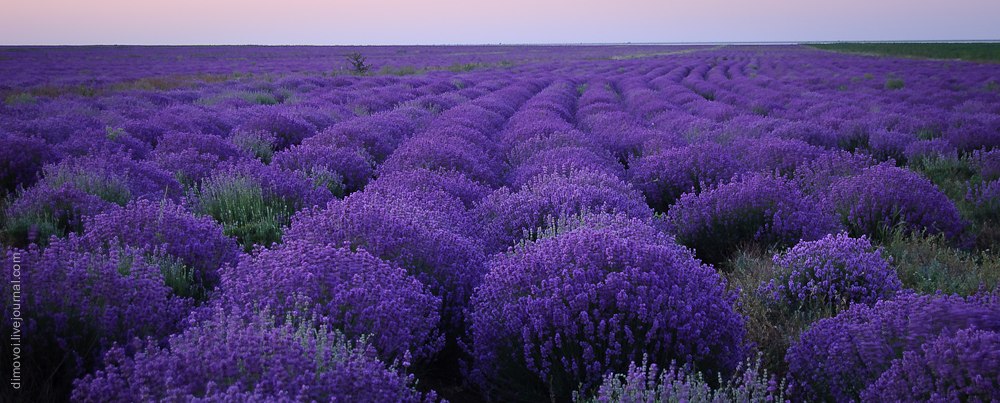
(498, 223)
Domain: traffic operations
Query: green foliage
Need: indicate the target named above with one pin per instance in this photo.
(400, 71)
(38, 227)
(179, 277)
(326, 179)
(358, 63)
(113, 133)
(964, 51)
(361, 110)
(85, 91)
(260, 144)
(894, 84)
(61, 218)
(113, 190)
(771, 327)
(243, 210)
(929, 264)
(948, 174)
(928, 133)
(647, 383)
(21, 98)
(464, 67)
(957, 178)
(259, 97)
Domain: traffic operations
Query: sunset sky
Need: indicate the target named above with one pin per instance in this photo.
(339, 22)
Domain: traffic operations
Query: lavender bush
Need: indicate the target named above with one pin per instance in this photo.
(198, 242)
(510, 216)
(248, 357)
(82, 302)
(882, 197)
(835, 271)
(838, 358)
(353, 292)
(962, 367)
(567, 309)
(756, 209)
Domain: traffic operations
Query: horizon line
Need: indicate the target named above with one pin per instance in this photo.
(816, 42)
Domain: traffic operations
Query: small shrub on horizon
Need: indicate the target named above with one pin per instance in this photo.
(358, 63)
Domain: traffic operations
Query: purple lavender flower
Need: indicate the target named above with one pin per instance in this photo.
(647, 383)
(963, 367)
(418, 181)
(882, 197)
(934, 148)
(247, 357)
(21, 160)
(379, 133)
(816, 176)
(761, 209)
(987, 163)
(979, 131)
(834, 271)
(253, 201)
(564, 160)
(985, 199)
(285, 124)
(82, 186)
(448, 153)
(183, 117)
(665, 176)
(427, 234)
(351, 291)
(525, 150)
(81, 302)
(352, 165)
(165, 227)
(837, 358)
(508, 217)
(886, 145)
(114, 178)
(193, 156)
(565, 310)
(771, 154)
(43, 212)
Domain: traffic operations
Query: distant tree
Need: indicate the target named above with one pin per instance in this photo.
(358, 63)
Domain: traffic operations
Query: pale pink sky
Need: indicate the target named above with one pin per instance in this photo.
(340, 22)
